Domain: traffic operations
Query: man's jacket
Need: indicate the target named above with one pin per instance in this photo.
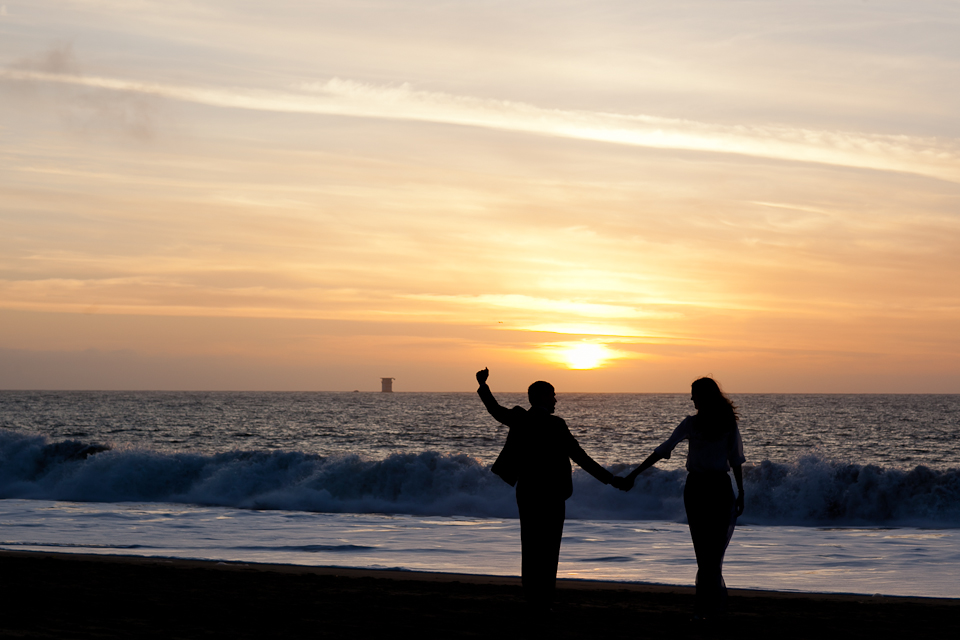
(536, 456)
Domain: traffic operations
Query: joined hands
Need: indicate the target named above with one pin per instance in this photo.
(624, 484)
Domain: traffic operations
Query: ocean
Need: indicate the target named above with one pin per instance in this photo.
(844, 493)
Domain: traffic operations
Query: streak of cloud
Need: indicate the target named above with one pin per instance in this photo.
(928, 156)
(83, 106)
(58, 59)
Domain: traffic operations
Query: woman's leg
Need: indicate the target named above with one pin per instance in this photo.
(709, 501)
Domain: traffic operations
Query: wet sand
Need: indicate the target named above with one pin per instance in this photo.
(46, 595)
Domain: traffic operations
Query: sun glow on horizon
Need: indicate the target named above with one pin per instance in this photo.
(582, 355)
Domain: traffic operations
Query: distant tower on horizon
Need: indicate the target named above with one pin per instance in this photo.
(386, 385)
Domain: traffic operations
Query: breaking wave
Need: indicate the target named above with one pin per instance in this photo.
(809, 491)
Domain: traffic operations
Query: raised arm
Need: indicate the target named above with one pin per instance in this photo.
(500, 414)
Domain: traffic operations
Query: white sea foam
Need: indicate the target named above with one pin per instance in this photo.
(810, 491)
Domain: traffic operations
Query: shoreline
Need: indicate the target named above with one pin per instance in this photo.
(412, 575)
(63, 595)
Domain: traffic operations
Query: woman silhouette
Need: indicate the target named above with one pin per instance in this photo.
(715, 447)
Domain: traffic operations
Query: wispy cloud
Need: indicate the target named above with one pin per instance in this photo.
(539, 305)
(928, 156)
(129, 111)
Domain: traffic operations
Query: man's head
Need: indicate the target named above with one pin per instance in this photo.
(542, 395)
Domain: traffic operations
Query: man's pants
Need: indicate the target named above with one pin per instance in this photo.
(541, 529)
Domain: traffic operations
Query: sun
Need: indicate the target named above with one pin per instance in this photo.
(585, 355)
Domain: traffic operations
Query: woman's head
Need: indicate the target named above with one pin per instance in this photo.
(706, 392)
(715, 408)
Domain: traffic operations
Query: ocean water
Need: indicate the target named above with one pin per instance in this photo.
(845, 493)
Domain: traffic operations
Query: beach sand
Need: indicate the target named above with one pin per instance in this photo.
(48, 595)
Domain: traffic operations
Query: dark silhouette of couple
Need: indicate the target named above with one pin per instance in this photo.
(536, 459)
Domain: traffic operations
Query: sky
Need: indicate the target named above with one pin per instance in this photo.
(615, 196)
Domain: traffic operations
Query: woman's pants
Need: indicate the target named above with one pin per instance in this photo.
(709, 501)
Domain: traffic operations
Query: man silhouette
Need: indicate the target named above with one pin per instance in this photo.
(536, 459)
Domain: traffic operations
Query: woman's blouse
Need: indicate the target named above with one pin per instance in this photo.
(705, 454)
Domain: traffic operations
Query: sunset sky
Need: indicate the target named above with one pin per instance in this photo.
(613, 196)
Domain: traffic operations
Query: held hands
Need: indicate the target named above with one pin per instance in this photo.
(482, 375)
(624, 484)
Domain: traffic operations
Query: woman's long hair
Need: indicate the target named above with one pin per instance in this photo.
(716, 414)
